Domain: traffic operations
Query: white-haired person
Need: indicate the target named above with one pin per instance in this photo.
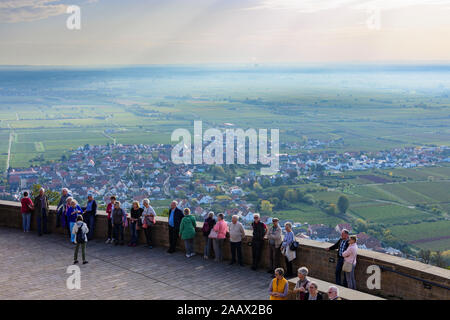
(259, 234)
(237, 233)
(279, 286)
(289, 255)
(301, 287)
(148, 221)
(208, 225)
(41, 206)
(350, 262)
(333, 293)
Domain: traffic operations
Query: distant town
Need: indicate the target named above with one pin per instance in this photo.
(136, 172)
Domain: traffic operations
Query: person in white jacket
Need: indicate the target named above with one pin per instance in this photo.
(80, 239)
(350, 257)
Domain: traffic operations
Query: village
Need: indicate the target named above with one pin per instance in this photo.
(136, 172)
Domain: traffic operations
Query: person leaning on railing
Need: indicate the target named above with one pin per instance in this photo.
(220, 230)
(350, 262)
(289, 255)
(109, 210)
(148, 221)
(279, 286)
(208, 225)
(187, 232)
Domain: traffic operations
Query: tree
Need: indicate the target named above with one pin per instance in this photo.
(343, 204)
(53, 196)
(257, 187)
(290, 195)
(266, 207)
(437, 259)
(425, 255)
(360, 225)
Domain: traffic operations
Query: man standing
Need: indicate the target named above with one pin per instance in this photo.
(341, 246)
(60, 209)
(175, 216)
(41, 210)
(259, 234)
(274, 245)
(89, 214)
(237, 233)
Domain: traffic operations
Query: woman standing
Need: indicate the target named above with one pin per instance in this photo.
(350, 260)
(187, 232)
(289, 255)
(135, 216)
(208, 225)
(72, 213)
(148, 221)
(221, 229)
(27, 208)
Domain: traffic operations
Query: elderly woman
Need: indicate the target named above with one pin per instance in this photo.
(289, 255)
(148, 221)
(187, 232)
(301, 287)
(208, 225)
(220, 229)
(279, 286)
(65, 217)
(237, 233)
(313, 292)
(72, 213)
(135, 218)
(350, 259)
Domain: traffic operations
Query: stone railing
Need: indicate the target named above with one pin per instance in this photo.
(398, 278)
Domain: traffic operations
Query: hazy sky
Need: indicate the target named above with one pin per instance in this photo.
(224, 31)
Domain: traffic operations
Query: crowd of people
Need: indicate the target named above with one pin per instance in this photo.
(79, 224)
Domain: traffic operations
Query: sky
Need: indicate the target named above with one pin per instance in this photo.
(118, 32)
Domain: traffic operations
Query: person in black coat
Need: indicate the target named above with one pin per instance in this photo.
(313, 292)
(340, 246)
(89, 213)
(175, 216)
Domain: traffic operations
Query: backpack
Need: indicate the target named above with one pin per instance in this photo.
(205, 227)
(80, 235)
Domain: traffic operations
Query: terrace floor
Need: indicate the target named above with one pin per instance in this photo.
(33, 267)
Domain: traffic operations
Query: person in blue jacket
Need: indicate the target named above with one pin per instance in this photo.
(175, 216)
(72, 213)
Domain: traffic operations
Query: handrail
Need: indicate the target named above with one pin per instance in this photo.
(415, 278)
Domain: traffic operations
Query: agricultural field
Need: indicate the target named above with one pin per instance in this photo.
(427, 235)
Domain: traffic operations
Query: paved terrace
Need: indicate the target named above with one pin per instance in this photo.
(33, 267)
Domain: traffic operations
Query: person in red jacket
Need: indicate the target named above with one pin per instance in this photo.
(109, 210)
(27, 208)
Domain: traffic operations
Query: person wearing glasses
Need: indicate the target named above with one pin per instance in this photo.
(279, 286)
(313, 292)
(333, 293)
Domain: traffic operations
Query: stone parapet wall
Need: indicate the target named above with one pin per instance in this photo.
(399, 278)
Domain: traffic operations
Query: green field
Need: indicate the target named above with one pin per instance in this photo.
(425, 231)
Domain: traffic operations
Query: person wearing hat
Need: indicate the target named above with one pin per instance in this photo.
(89, 213)
(274, 245)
